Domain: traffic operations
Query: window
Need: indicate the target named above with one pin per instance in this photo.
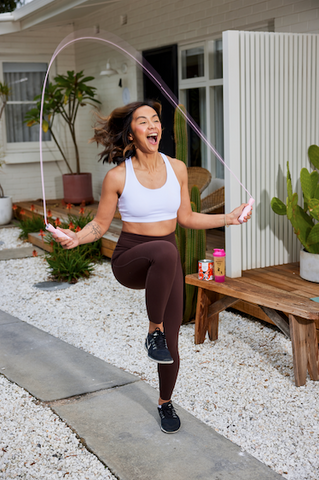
(193, 63)
(25, 82)
(201, 91)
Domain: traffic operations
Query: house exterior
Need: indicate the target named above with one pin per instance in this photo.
(187, 39)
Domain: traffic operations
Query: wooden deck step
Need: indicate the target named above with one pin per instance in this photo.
(109, 240)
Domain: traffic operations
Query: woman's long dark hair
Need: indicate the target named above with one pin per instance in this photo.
(113, 131)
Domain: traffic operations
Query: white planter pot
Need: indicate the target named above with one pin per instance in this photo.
(309, 266)
(5, 210)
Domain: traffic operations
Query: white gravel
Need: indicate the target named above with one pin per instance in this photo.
(36, 444)
(9, 238)
(242, 385)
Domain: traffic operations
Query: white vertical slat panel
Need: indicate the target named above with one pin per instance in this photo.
(291, 108)
(260, 211)
(308, 91)
(243, 128)
(314, 84)
(267, 155)
(276, 125)
(257, 254)
(245, 167)
(232, 147)
(278, 82)
(272, 172)
(280, 139)
(251, 172)
(285, 141)
(317, 89)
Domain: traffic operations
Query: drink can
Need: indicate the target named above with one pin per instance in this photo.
(205, 269)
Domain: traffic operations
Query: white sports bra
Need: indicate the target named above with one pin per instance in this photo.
(144, 205)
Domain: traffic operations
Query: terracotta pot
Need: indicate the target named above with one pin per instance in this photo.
(77, 188)
(309, 266)
(5, 210)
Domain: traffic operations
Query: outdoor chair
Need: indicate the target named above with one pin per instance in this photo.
(198, 176)
(214, 202)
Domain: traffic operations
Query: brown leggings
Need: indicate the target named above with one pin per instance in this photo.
(153, 263)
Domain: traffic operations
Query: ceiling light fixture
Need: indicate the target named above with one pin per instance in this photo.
(109, 71)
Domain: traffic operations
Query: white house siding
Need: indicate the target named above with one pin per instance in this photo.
(22, 180)
(150, 24)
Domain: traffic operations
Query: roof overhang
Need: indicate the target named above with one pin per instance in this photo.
(46, 12)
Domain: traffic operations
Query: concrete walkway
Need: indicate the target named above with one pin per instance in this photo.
(115, 412)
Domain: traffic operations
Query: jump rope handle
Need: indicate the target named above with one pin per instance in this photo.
(246, 210)
(57, 232)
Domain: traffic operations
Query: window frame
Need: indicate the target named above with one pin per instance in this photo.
(201, 82)
(27, 152)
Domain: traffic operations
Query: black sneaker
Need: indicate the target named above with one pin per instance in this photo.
(156, 347)
(170, 422)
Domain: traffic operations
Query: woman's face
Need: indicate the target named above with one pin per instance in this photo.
(146, 129)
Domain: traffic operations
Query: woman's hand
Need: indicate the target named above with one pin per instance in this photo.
(67, 243)
(232, 217)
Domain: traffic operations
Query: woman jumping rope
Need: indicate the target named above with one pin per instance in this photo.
(151, 191)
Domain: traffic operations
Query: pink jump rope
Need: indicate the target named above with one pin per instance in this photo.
(133, 54)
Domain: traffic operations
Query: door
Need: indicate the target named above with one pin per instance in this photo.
(164, 61)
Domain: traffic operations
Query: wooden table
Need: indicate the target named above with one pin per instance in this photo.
(292, 311)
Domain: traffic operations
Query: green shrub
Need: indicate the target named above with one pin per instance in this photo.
(70, 265)
(31, 225)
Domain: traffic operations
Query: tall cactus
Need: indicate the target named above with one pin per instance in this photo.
(303, 219)
(191, 243)
(180, 134)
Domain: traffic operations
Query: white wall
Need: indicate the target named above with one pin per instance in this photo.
(22, 181)
(150, 24)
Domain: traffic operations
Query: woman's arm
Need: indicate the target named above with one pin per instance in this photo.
(189, 219)
(100, 224)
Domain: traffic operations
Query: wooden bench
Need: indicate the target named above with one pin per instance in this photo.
(292, 311)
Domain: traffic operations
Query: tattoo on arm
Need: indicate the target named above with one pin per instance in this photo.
(92, 228)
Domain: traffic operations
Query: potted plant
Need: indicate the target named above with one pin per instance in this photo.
(304, 220)
(64, 97)
(5, 201)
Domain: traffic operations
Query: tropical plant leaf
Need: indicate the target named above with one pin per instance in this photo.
(45, 126)
(313, 154)
(313, 236)
(309, 182)
(313, 207)
(278, 206)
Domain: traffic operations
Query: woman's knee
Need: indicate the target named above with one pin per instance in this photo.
(165, 253)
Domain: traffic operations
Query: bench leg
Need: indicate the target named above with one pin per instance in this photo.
(201, 323)
(304, 348)
(213, 319)
(312, 350)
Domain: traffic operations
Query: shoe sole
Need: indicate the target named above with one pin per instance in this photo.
(175, 431)
(161, 362)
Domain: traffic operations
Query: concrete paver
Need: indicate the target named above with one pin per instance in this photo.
(115, 412)
(22, 252)
(122, 427)
(49, 368)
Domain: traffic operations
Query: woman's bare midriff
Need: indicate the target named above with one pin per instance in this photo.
(154, 229)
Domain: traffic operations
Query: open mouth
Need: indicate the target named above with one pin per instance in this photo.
(152, 138)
